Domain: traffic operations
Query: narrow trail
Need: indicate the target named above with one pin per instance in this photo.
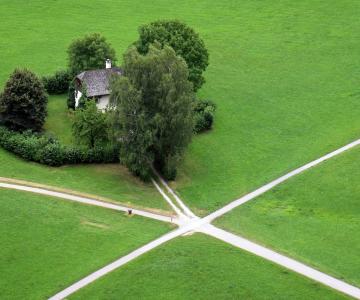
(189, 222)
(89, 201)
(118, 263)
(168, 200)
(281, 260)
(201, 225)
(187, 211)
(227, 208)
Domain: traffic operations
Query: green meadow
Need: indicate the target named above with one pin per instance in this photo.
(313, 217)
(110, 181)
(284, 75)
(199, 267)
(47, 243)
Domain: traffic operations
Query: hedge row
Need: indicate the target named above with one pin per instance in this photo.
(57, 83)
(48, 151)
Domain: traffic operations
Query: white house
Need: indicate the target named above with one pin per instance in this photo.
(96, 84)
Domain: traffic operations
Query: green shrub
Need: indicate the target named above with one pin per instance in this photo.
(71, 96)
(23, 102)
(48, 151)
(57, 83)
(73, 155)
(52, 155)
(204, 115)
(90, 127)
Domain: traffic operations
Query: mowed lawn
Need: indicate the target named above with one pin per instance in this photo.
(59, 120)
(199, 267)
(284, 74)
(48, 244)
(314, 217)
(108, 180)
(111, 181)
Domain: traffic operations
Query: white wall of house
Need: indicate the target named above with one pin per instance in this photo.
(78, 95)
(103, 102)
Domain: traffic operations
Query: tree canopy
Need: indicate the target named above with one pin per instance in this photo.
(154, 101)
(89, 52)
(183, 39)
(90, 125)
(23, 102)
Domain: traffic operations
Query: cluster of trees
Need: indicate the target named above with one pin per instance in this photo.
(154, 111)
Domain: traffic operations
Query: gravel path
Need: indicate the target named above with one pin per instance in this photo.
(189, 222)
(276, 182)
(89, 201)
(281, 260)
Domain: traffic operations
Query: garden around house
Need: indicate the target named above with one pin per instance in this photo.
(284, 80)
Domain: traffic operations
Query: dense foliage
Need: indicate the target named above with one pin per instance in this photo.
(23, 102)
(71, 96)
(204, 115)
(57, 83)
(90, 125)
(47, 150)
(154, 101)
(183, 39)
(89, 52)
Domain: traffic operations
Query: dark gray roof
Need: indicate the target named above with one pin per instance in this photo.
(97, 82)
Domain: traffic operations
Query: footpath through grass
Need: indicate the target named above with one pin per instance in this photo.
(48, 244)
(284, 74)
(314, 217)
(108, 180)
(199, 267)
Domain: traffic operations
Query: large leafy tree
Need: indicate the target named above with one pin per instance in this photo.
(183, 39)
(89, 52)
(154, 102)
(23, 102)
(90, 125)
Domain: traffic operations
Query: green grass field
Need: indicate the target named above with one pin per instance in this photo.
(111, 180)
(286, 81)
(59, 120)
(47, 244)
(284, 75)
(313, 217)
(199, 267)
(108, 180)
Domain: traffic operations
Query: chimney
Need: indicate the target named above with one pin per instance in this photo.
(108, 64)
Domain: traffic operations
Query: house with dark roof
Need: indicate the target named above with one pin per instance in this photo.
(96, 85)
